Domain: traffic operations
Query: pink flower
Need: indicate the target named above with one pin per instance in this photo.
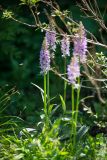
(65, 46)
(44, 58)
(80, 44)
(51, 39)
(73, 70)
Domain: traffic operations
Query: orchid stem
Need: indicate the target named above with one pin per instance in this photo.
(45, 100)
(72, 99)
(65, 83)
(48, 89)
(77, 104)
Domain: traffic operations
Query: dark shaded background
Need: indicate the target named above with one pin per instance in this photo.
(19, 57)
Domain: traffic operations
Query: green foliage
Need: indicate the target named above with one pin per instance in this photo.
(7, 14)
(102, 61)
(92, 149)
(6, 121)
(29, 2)
(45, 145)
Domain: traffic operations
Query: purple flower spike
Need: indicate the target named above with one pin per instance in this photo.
(80, 44)
(51, 39)
(44, 58)
(73, 70)
(65, 46)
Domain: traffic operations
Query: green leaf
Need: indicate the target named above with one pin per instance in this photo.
(17, 157)
(54, 110)
(41, 90)
(50, 108)
(82, 131)
(63, 104)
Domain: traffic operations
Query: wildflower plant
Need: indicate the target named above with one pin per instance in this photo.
(45, 67)
(65, 50)
(73, 71)
(51, 43)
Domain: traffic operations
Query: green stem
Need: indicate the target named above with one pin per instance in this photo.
(72, 99)
(45, 107)
(65, 83)
(77, 108)
(77, 102)
(48, 90)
